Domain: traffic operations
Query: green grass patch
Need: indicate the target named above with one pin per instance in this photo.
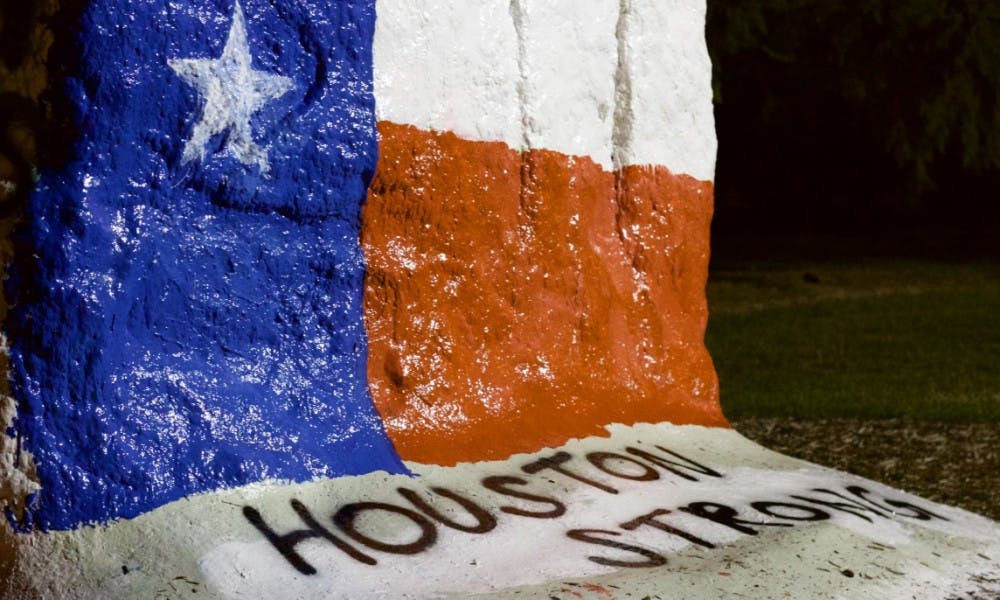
(878, 340)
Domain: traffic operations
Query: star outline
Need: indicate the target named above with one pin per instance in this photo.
(225, 110)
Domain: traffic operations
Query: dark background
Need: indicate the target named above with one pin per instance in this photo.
(871, 121)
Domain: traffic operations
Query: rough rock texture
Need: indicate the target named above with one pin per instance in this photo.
(188, 286)
(180, 323)
(952, 463)
(498, 529)
(24, 42)
(519, 299)
(625, 82)
(188, 318)
(539, 273)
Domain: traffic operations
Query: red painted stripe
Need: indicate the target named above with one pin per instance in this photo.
(516, 300)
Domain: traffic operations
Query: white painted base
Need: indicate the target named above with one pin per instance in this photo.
(883, 544)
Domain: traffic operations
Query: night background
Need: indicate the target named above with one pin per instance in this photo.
(854, 285)
(870, 120)
(854, 281)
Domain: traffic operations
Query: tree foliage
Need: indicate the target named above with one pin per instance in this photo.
(876, 100)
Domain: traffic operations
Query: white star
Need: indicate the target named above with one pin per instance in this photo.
(232, 91)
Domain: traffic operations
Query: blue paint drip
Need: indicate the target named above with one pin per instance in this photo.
(188, 327)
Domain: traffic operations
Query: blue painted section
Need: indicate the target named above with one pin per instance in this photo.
(189, 327)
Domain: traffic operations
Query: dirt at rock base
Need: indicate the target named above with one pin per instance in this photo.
(952, 463)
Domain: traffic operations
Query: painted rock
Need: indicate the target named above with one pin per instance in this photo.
(375, 299)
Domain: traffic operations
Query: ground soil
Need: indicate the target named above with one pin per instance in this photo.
(951, 463)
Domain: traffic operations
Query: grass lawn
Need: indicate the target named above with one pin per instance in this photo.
(866, 339)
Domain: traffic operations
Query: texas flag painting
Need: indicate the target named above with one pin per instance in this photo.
(532, 199)
(402, 299)
(194, 317)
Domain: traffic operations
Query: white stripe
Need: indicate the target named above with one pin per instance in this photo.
(671, 75)
(569, 60)
(623, 82)
(450, 65)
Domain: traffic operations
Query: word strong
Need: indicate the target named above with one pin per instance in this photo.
(364, 529)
